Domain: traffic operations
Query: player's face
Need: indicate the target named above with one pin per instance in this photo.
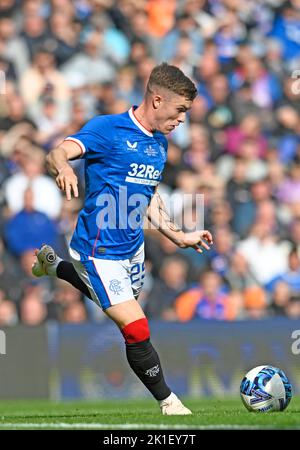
(170, 111)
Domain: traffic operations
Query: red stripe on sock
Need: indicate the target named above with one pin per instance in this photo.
(136, 331)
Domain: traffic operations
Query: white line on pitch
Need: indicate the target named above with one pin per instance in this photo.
(130, 426)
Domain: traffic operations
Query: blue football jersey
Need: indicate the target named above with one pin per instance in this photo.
(123, 165)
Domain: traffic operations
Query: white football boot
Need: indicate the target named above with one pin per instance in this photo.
(46, 262)
(172, 406)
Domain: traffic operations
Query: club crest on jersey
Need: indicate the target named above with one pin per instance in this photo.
(115, 286)
(153, 371)
(131, 146)
(150, 151)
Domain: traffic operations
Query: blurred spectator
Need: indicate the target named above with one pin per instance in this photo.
(288, 191)
(265, 86)
(197, 113)
(8, 313)
(34, 33)
(266, 214)
(26, 260)
(208, 300)
(294, 234)
(174, 166)
(65, 294)
(66, 224)
(173, 280)
(221, 253)
(184, 57)
(255, 303)
(291, 95)
(208, 66)
(186, 183)
(220, 215)
(231, 32)
(287, 133)
(29, 229)
(292, 276)
(240, 198)
(242, 103)
(33, 311)
(64, 36)
(43, 79)
(285, 299)
(280, 298)
(161, 16)
(8, 72)
(293, 308)
(248, 151)
(238, 275)
(12, 46)
(89, 64)
(249, 130)
(125, 85)
(47, 197)
(220, 115)
(15, 112)
(8, 7)
(286, 28)
(48, 122)
(10, 274)
(259, 249)
(158, 247)
(74, 313)
(273, 55)
(185, 25)
(199, 151)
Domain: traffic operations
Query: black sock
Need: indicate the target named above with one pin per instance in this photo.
(145, 363)
(66, 271)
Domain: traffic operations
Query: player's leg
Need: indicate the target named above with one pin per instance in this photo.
(140, 353)
(142, 356)
(111, 283)
(49, 263)
(66, 271)
(127, 314)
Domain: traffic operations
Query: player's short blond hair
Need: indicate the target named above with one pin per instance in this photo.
(171, 78)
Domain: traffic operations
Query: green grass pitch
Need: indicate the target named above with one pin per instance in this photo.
(208, 413)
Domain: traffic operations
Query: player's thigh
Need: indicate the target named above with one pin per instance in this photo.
(125, 313)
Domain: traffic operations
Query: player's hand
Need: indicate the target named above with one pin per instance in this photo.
(199, 240)
(67, 181)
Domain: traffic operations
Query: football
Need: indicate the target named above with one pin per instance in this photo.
(265, 388)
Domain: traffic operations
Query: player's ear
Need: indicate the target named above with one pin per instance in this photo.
(156, 101)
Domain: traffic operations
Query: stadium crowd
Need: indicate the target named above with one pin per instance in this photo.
(63, 61)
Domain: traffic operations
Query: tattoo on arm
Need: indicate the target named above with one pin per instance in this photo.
(165, 216)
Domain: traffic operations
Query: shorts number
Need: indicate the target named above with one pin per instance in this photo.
(137, 273)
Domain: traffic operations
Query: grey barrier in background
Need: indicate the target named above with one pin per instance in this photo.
(200, 358)
(24, 368)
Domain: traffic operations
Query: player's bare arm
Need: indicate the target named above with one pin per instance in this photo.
(59, 167)
(159, 217)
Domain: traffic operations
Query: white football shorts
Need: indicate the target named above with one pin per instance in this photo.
(111, 281)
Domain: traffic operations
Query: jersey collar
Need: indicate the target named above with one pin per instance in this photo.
(138, 123)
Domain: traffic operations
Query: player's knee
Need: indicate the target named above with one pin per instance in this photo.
(137, 331)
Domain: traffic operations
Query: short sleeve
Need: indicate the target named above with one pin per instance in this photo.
(95, 137)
